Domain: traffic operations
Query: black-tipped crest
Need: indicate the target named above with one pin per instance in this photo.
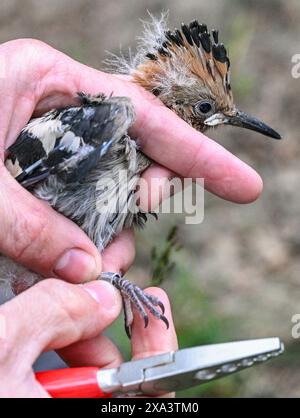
(203, 28)
(151, 56)
(187, 34)
(178, 33)
(173, 38)
(169, 36)
(195, 25)
(179, 37)
(206, 42)
(193, 58)
(195, 36)
(195, 48)
(219, 53)
(215, 34)
(164, 52)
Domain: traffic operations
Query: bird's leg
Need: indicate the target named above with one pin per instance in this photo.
(132, 295)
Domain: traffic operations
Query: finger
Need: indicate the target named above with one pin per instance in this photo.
(154, 339)
(99, 351)
(119, 255)
(34, 235)
(171, 142)
(25, 64)
(54, 314)
(153, 187)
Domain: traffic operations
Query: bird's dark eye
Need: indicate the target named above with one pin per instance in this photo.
(203, 108)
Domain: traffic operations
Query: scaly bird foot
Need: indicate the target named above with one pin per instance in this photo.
(132, 295)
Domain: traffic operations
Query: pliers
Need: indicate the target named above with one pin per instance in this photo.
(162, 373)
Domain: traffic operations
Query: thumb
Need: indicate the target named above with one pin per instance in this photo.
(39, 238)
(73, 313)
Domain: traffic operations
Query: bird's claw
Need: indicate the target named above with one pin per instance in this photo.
(132, 295)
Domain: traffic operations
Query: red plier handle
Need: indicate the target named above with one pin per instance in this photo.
(78, 382)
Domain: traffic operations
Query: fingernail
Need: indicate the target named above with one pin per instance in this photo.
(104, 293)
(76, 266)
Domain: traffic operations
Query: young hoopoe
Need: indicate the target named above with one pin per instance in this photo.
(75, 157)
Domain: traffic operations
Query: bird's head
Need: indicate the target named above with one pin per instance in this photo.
(189, 70)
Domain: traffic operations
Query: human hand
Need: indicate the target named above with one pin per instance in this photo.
(69, 318)
(35, 78)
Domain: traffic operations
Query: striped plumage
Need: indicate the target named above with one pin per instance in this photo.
(73, 158)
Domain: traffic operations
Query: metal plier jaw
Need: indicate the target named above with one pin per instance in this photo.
(185, 368)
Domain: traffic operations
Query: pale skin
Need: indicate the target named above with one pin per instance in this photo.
(64, 316)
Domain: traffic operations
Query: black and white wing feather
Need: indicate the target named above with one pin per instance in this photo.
(69, 142)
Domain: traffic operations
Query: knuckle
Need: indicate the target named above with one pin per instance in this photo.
(35, 59)
(25, 47)
(27, 44)
(29, 234)
(46, 292)
(55, 293)
(49, 287)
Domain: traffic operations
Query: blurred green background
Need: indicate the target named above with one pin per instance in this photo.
(238, 274)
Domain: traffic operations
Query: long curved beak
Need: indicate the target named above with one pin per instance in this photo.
(243, 120)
